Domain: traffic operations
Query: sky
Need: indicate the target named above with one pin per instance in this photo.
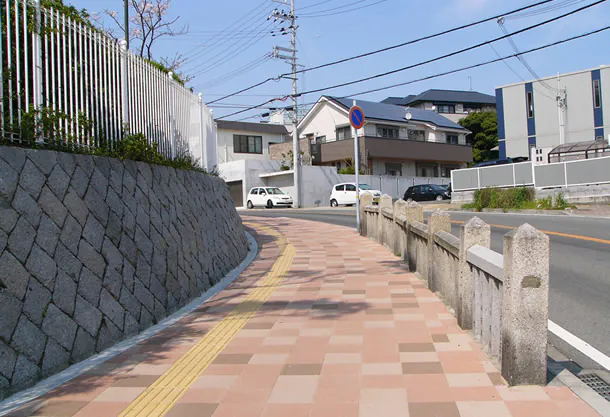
(225, 37)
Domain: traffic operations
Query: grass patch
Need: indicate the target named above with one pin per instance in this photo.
(521, 198)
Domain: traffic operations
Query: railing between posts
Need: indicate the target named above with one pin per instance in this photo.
(502, 298)
(83, 88)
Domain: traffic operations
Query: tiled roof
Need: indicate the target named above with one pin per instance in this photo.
(394, 113)
(399, 101)
(452, 96)
(252, 127)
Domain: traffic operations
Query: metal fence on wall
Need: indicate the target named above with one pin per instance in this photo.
(76, 83)
(559, 174)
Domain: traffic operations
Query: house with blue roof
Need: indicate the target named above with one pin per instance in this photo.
(453, 104)
(395, 140)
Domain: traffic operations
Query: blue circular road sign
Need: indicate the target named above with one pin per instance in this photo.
(356, 117)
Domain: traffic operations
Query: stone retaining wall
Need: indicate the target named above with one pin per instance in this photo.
(93, 250)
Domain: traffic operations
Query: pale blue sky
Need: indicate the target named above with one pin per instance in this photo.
(323, 39)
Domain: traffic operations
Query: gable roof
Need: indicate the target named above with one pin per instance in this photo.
(252, 127)
(399, 101)
(394, 113)
(452, 96)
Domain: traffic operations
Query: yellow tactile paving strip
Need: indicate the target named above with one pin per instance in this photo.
(160, 397)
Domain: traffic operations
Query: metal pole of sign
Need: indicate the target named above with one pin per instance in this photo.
(356, 170)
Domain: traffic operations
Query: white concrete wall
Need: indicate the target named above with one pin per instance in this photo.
(408, 167)
(247, 171)
(515, 120)
(224, 147)
(579, 122)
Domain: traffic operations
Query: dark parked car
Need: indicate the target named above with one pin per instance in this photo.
(430, 192)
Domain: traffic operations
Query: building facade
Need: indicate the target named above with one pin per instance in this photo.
(452, 104)
(395, 140)
(536, 117)
(239, 140)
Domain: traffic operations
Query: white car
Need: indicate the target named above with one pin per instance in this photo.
(268, 197)
(345, 194)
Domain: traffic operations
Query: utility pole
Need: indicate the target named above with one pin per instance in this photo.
(126, 13)
(296, 151)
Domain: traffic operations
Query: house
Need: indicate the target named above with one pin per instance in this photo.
(453, 104)
(240, 140)
(395, 140)
(545, 118)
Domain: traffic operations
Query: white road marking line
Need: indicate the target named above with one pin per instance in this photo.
(580, 345)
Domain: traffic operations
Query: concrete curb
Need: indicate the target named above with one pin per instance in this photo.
(582, 390)
(12, 403)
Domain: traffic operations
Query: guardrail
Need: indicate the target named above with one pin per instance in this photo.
(502, 298)
(558, 174)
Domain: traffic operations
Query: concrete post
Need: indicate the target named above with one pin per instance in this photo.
(475, 232)
(385, 201)
(414, 212)
(366, 199)
(438, 221)
(525, 306)
(400, 238)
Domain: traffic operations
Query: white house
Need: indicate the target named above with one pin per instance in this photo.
(240, 140)
(395, 140)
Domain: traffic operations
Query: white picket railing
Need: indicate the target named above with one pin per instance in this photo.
(51, 63)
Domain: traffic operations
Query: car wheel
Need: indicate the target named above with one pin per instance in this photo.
(439, 198)
(409, 200)
(333, 203)
(269, 204)
(250, 205)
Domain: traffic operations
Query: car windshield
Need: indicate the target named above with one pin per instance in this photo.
(365, 187)
(438, 187)
(274, 191)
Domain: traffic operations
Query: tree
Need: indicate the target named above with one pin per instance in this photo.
(484, 136)
(150, 21)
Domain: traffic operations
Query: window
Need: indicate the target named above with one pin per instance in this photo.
(262, 191)
(445, 108)
(254, 191)
(340, 187)
(344, 132)
(350, 187)
(427, 170)
(453, 139)
(387, 132)
(394, 170)
(247, 144)
(417, 135)
(597, 94)
(446, 170)
(530, 105)
(320, 139)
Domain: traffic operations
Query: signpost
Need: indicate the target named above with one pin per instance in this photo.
(356, 119)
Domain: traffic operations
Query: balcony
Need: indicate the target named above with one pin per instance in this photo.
(401, 149)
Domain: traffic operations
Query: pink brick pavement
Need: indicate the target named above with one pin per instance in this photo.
(349, 332)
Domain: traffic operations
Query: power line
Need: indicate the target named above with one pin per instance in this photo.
(334, 8)
(461, 51)
(343, 11)
(547, 9)
(546, 46)
(236, 73)
(389, 48)
(231, 53)
(316, 4)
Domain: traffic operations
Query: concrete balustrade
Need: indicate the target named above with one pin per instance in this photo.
(503, 298)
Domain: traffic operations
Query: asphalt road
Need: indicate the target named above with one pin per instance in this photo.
(580, 278)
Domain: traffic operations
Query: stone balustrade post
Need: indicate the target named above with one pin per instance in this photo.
(400, 238)
(438, 221)
(475, 232)
(414, 212)
(366, 199)
(385, 201)
(525, 306)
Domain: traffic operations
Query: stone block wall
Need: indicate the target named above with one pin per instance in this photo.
(276, 151)
(93, 250)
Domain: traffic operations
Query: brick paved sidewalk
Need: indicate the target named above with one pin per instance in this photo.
(347, 332)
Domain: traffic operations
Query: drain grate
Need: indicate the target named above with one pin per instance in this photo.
(599, 385)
